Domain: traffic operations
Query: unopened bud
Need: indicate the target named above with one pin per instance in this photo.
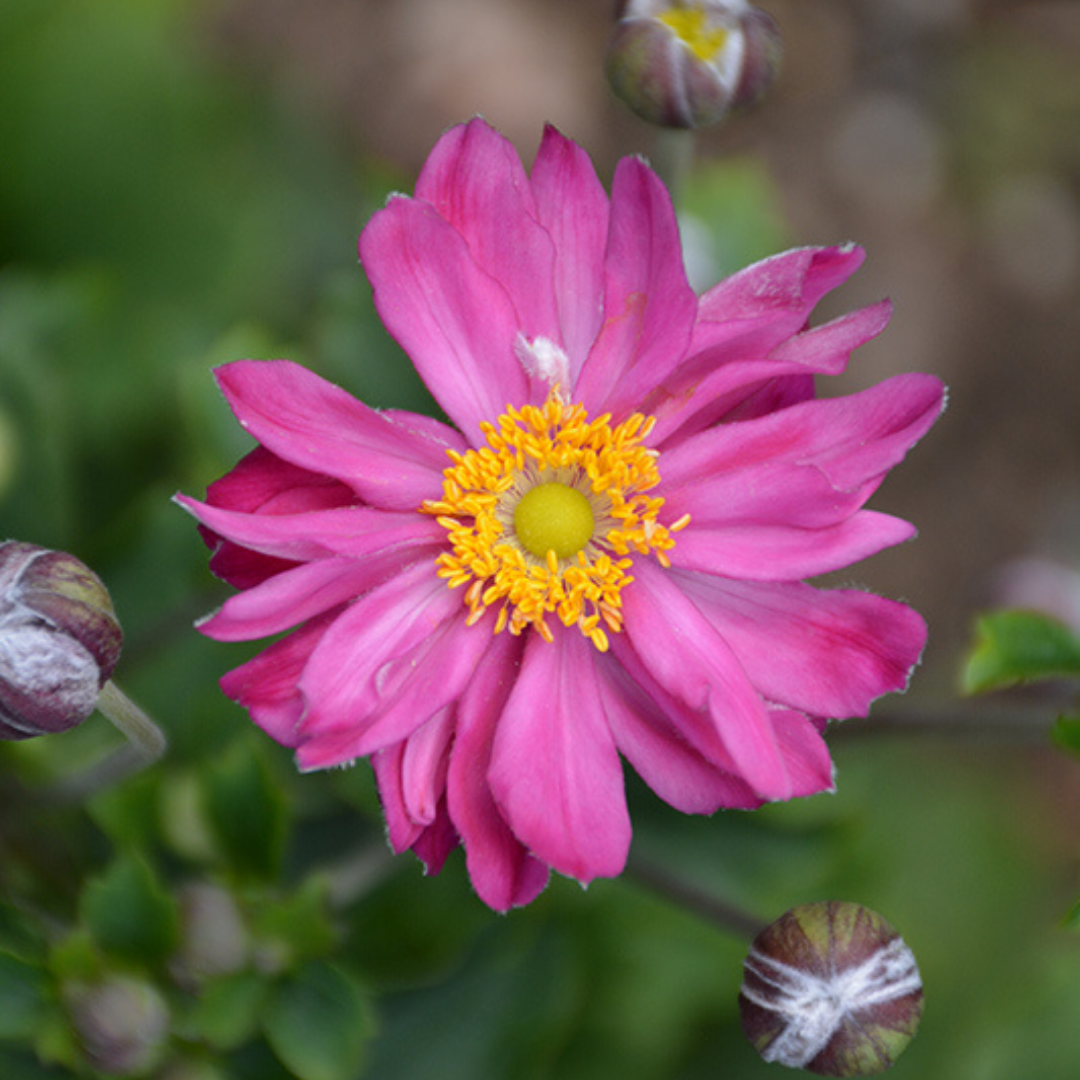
(121, 1022)
(832, 988)
(687, 63)
(59, 640)
(214, 940)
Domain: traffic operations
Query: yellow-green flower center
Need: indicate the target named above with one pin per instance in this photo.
(694, 27)
(553, 517)
(542, 520)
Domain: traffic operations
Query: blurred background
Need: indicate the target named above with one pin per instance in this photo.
(182, 183)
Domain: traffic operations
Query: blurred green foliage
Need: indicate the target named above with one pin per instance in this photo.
(161, 211)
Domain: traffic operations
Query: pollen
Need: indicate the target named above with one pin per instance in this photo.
(696, 30)
(544, 519)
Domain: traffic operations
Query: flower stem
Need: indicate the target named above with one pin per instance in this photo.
(729, 917)
(673, 157)
(146, 743)
(981, 722)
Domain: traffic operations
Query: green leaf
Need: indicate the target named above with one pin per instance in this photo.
(1013, 647)
(1066, 733)
(318, 1023)
(22, 990)
(247, 812)
(299, 927)
(129, 914)
(227, 1013)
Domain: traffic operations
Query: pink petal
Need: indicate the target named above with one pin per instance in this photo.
(503, 872)
(649, 307)
(555, 772)
(807, 756)
(456, 322)
(474, 179)
(721, 379)
(824, 652)
(657, 749)
(402, 831)
(356, 531)
(424, 764)
(785, 287)
(267, 685)
(395, 658)
(683, 652)
(782, 553)
(261, 482)
(289, 598)
(573, 207)
(436, 841)
(319, 427)
(810, 465)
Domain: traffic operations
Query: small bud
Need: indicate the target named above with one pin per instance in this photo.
(59, 640)
(214, 940)
(832, 988)
(687, 63)
(122, 1024)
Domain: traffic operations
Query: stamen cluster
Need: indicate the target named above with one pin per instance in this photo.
(555, 443)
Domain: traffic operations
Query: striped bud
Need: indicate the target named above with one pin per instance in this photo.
(59, 640)
(832, 988)
(687, 63)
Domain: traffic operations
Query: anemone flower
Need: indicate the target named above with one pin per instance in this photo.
(600, 557)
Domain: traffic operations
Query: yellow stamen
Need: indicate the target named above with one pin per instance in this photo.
(542, 520)
(697, 30)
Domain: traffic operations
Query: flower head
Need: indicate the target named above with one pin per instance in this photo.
(832, 988)
(599, 558)
(688, 63)
(59, 640)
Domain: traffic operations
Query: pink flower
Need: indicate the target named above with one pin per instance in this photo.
(601, 560)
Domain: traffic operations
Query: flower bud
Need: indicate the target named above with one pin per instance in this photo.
(121, 1022)
(59, 640)
(832, 988)
(687, 63)
(214, 940)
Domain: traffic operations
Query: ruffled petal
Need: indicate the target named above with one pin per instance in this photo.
(778, 293)
(781, 553)
(318, 426)
(649, 307)
(683, 652)
(354, 531)
(424, 765)
(502, 870)
(344, 680)
(658, 750)
(825, 652)
(809, 763)
(475, 180)
(810, 465)
(555, 772)
(267, 684)
(742, 373)
(573, 207)
(375, 679)
(291, 597)
(456, 322)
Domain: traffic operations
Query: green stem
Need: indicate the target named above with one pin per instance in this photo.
(729, 917)
(981, 722)
(146, 743)
(672, 158)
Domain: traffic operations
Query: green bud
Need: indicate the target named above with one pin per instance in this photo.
(831, 987)
(687, 63)
(59, 640)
